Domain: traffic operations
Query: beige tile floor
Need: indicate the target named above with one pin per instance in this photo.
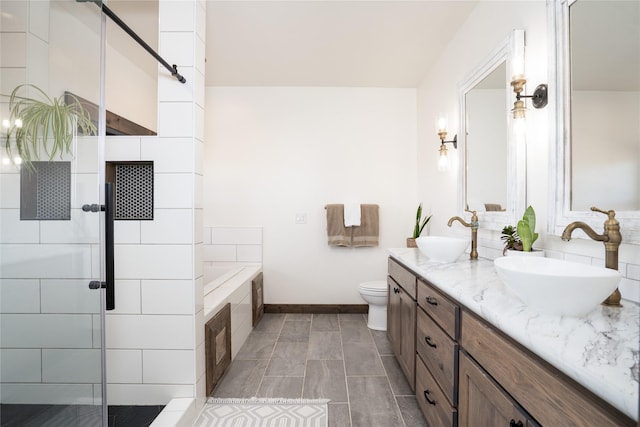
(332, 356)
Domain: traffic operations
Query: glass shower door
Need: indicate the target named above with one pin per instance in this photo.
(51, 322)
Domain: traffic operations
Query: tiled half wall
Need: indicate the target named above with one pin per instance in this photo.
(232, 244)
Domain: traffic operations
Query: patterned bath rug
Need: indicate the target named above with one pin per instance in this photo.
(268, 412)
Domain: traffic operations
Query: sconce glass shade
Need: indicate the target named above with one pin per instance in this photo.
(519, 110)
(443, 160)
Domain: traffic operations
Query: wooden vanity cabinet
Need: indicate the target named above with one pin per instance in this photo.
(435, 407)
(546, 394)
(467, 372)
(483, 402)
(401, 318)
(437, 356)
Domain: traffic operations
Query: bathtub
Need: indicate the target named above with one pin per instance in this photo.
(231, 283)
(218, 274)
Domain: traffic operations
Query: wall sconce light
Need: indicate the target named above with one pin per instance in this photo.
(443, 160)
(538, 99)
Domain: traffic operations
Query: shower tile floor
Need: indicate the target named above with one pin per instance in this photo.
(76, 416)
(332, 356)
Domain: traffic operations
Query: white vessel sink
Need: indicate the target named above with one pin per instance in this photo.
(555, 286)
(441, 248)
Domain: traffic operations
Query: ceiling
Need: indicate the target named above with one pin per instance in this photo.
(328, 43)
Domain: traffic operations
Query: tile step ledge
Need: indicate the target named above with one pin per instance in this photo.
(179, 412)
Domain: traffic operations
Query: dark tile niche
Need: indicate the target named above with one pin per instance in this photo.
(134, 189)
(45, 191)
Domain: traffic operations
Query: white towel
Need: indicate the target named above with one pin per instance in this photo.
(352, 214)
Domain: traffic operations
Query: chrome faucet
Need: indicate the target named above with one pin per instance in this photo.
(611, 238)
(474, 231)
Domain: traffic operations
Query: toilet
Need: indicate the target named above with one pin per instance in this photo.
(376, 293)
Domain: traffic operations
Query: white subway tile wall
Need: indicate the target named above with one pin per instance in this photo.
(128, 297)
(158, 325)
(167, 296)
(232, 244)
(155, 364)
(125, 366)
(13, 16)
(20, 365)
(19, 296)
(71, 366)
(49, 327)
(179, 121)
(171, 91)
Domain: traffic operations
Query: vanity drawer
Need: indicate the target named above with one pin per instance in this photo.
(403, 277)
(434, 406)
(440, 308)
(439, 353)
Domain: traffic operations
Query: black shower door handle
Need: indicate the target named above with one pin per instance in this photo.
(109, 203)
(108, 208)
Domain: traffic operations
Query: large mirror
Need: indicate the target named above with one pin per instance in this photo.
(597, 158)
(492, 172)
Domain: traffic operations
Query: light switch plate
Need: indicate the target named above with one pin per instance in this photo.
(301, 218)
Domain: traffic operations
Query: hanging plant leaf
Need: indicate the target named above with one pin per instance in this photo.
(48, 124)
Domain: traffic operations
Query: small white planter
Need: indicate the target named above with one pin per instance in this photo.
(534, 252)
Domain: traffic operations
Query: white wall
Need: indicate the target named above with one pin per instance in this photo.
(272, 153)
(488, 24)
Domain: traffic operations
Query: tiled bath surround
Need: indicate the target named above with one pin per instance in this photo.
(231, 248)
(232, 244)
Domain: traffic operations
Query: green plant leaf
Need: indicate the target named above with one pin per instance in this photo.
(424, 223)
(420, 223)
(530, 217)
(526, 235)
(48, 124)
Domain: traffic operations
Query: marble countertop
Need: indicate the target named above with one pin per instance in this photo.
(599, 351)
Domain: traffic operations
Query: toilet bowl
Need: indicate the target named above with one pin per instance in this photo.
(375, 294)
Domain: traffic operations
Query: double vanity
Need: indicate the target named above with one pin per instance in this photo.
(476, 355)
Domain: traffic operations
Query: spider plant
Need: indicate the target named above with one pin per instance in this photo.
(45, 123)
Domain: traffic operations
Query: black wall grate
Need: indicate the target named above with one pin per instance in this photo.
(134, 190)
(45, 191)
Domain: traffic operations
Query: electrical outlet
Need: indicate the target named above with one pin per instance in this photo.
(301, 218)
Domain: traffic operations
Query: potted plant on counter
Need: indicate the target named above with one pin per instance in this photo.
(519, 240)
(418, 227)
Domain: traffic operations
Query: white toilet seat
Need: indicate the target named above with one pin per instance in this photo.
(376, 286)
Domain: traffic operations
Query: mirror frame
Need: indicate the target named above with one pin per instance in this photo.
(560, 213)
(516, 150)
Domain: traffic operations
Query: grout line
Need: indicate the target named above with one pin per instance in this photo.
(344, 366)
(270, 356)
(388, 380)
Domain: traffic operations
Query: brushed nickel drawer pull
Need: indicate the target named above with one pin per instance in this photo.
(429, 342)
(426, 396)
(431, 300)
